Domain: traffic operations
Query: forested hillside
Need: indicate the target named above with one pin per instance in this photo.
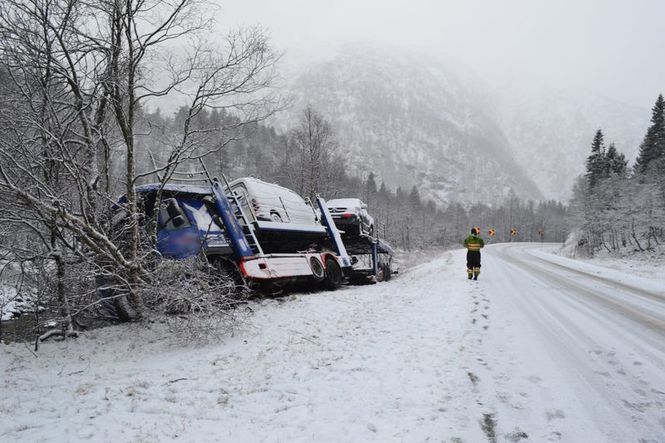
(316, 164)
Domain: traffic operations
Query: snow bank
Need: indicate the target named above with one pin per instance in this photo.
(648, 264)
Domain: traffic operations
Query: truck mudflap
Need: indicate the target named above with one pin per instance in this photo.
(276, 266)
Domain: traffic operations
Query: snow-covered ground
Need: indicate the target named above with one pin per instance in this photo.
(540, 349)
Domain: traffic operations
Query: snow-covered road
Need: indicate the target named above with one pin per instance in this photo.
(540, 349)
(591, 341)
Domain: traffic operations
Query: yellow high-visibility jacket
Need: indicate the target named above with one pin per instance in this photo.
(473, 243)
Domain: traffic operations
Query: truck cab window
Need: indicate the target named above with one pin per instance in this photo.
(171, 215)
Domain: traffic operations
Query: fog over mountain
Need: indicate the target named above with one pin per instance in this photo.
(550, 131)
(548, 74)
(412, 122)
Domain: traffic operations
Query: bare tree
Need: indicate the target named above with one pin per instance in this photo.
(80, 74)
(315, 145)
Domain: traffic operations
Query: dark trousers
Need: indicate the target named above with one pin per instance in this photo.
(472, 259)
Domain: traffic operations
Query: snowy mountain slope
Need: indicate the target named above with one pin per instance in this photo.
(552, 130)
(412, 122)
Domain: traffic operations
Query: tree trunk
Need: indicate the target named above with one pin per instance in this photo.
(637, 242)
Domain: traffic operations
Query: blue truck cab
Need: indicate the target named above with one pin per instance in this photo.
(186, 226)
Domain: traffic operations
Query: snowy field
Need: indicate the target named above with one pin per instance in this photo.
(541, 349)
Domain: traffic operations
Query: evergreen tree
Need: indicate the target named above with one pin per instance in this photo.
(595, 164)
(616, 162)
(652, 148)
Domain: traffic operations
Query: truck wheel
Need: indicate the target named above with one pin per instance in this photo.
(334, 275)
(318, 272)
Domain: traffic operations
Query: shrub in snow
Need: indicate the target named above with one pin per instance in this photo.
(195, 296)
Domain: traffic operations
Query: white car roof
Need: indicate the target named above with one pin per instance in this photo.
(344, 202)
(265, 189)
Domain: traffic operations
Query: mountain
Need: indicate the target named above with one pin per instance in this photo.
(412, 122)
(550, 131)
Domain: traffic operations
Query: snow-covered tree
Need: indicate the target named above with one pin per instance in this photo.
(652, 148)
(616, 209)
(596, 164)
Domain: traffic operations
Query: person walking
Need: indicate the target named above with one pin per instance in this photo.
(473, 243)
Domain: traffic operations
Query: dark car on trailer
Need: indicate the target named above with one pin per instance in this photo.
(351, 216)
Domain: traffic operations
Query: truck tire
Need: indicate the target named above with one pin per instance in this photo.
(318, 271)
(334, 277)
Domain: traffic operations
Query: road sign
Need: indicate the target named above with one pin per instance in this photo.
(477, 228)
(513, 232)
(491, 232)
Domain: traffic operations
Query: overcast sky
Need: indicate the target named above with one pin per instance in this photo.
(614, 47)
